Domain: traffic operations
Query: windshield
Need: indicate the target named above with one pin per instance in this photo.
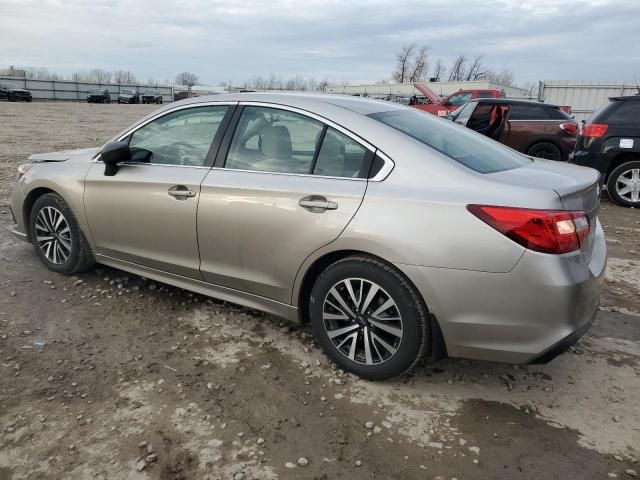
(127, 92)
(96, 91)
(471, 149)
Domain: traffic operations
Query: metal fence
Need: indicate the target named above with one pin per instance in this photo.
(71, 91)
(584, 97)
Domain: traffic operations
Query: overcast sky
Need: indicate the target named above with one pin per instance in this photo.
(350, 40)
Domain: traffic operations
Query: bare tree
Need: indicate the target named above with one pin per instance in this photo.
(187, 79)
(458, 69)
(420, 64)
(100, 76)
(126, 77)
(503, 77)
(403, 58)
(477, 70)
(438, 71)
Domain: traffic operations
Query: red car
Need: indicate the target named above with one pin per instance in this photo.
(432, 103)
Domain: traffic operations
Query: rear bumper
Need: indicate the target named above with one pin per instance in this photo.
(563, 345)
(530, 313)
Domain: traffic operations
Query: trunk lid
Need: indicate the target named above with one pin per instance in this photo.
(577, 187)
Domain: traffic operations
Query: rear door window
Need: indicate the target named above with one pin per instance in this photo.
(274, 140)
(340, 156)
(528, 112)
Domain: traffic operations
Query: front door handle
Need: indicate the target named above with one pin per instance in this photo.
(180, 192)
(317, 204)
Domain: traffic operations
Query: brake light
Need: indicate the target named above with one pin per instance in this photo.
(570, 128)
(594, 130)
(547, 231)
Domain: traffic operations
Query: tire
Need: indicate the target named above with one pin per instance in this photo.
(545, 150)
(623, 177)
(405, 328)
(72, 242)
(11, 98)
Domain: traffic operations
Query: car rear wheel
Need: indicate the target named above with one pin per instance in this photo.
(368, 318)
(56, 236)
(623, 184)
(546, 150)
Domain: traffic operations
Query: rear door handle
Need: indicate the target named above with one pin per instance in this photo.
(181, 192)
(317, 204)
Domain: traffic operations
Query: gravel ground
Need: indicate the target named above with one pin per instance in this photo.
(107, 375)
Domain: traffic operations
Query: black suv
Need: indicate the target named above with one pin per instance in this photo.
(13, 93)
(610, 143)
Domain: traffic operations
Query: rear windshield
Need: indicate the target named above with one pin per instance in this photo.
(471, 149)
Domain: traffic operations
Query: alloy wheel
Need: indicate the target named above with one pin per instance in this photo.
(362, 321)
(628, 185)
(53, 235)
(544, 153)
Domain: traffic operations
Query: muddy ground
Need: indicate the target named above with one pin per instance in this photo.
(106, 375)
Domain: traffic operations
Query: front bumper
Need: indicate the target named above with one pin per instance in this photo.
(544, 302)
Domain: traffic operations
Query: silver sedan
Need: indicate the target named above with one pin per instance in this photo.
(396, 234)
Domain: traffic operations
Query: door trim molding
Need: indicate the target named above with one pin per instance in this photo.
(226, 294)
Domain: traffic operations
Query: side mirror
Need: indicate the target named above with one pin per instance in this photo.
(450, 118)
(112, 154)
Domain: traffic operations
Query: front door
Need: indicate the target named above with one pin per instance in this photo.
(290, 185)
(146, 212)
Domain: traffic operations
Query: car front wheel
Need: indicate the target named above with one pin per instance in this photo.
(368, 318)
(56, 236)
(623, 184)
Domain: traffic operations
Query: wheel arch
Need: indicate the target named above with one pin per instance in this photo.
(28, 203)
(542, 139)
(437, 346)
(621, 159)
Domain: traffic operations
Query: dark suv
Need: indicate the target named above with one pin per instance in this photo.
(610, 143)
(14, 93)
(537, 129)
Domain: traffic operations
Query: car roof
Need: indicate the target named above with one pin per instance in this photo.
(626, 97)
(510, 101)
(362, 105)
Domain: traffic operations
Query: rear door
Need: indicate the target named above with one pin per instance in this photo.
(285, 184)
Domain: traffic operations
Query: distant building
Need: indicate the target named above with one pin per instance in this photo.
(376, 90)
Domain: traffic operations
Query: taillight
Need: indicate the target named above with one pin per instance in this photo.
(570, 128)
(547, 231)
(594, 130)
